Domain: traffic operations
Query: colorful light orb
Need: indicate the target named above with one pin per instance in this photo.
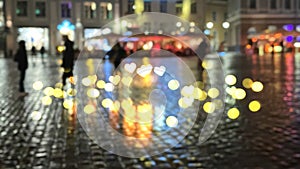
(209, 107)
(93, 93)
(46, 100)
(68, 104)
(289, 38)
(288, 27)
(257, 86)
(173, 84)
(233, 113)
(100, 84)
(172, 121)
(109, 87)
(239, 94)
(88, 109)
(247, 83)
(107, 103)
(48, 91)
(254, 106)
(36, 115)
(213, 93)
(230, 80)
(38, 85)
(58, 93)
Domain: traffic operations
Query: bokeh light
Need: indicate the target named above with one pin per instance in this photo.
(254, 106)
(46, 100)
(213, 93)
(233, 113)
(115, 79)
(88, 109)
(239, 94)
(38, 85)
(209, 107)
(107, 103)
(93, 93)
(109, 87)
(58, 85)
(172, 121)
(58, 93)
(257, 86)
(68, 104)
(173, 84)
(49, 91)
(247, 83)
(100, 84)
(230, 80)
(36, 115)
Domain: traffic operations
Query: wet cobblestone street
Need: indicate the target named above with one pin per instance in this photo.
(268, 139)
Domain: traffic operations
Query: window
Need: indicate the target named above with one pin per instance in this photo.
(163, 6)
(106, 10)
(147, 6)
(252, 4)
(90, 10)
(273, 4)
(131, 6)
(66, 9)
(214, 16)
(21, 8)
(194, 7)
(287, 4)
(178, 7)
(40, 9)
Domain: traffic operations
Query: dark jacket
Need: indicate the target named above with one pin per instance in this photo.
(68, 55)
(21, 58)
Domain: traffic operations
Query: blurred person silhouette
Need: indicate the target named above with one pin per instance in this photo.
(42, 51)
(21, 58)
(68, 59)
(33, 53)
(117, 54)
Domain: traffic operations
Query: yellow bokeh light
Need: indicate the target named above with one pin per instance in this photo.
(230, 80)
(254, 106)
(209, 107)
(71, 92)
(200, 84)
(88, 109)
(197, 93)
(185, 102)
(68, 104)
(173, 84)
(58, 85)
(257, 86)
(206, 64)
(126, 80)
(109, 87)
(100, 84)
(233, 113)
(38, 85)
(213, 93)
(36, 115)
(46, 100)
(48, 91)
(239, 94)
(86, 81)
(203, 96)
(172, 121)
(218, 104)
(247, 83)
(93, 93)
(187, 91)
(107, 103)
(58, 93)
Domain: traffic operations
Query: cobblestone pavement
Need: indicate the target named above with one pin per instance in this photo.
(267, 139)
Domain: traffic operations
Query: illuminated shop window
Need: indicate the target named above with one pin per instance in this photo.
(90, 10)
(106, 10)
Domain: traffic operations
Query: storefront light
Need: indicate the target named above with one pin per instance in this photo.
(93, 6)
(298, 28)
(288, 27)
(226, 25)
(109, 6)
(209, 25)
(289, 38)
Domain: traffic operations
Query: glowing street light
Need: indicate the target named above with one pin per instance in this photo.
(209, 25)
(226, 25)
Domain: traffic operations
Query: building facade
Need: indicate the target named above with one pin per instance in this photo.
(42, 22)
(256, 16)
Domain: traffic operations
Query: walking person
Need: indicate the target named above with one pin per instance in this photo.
(21, 59)
(42, 51)
(33, 53)
(68, 59)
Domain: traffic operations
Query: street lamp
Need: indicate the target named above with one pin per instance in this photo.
(209, 25)
(226, 25)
